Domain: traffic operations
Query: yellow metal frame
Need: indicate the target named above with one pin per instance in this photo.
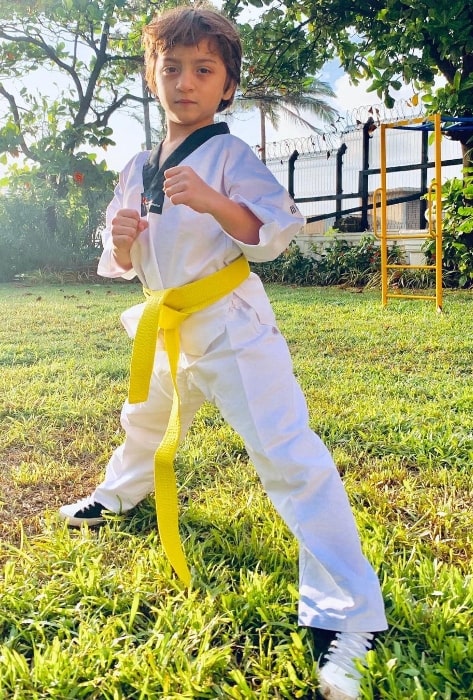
(435, 228)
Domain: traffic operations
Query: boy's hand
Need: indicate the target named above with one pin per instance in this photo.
(126, 227)
(183, 186)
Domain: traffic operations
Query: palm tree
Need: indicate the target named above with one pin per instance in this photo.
(273, 102)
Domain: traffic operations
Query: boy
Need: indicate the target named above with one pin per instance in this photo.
(220, 208)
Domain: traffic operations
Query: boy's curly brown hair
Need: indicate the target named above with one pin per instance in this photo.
(188, 26)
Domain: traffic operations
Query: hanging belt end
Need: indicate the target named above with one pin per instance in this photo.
(184, 577)
(137, 396)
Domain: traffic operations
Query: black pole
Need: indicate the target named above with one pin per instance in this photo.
(290, 176)
(368, 128)
(424, 159)
(339, 182)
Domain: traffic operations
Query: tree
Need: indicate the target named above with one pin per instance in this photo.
(388, 42)
(88, 57)
(271, 103)
(279, 64)
(417, 41)
(91, 47)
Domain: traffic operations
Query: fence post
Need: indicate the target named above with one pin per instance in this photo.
(424, 159)
(339, 181)
(368, 128)
(290, 176)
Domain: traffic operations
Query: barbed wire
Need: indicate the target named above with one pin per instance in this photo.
(402, 109)
(304, 145)
(353, 120)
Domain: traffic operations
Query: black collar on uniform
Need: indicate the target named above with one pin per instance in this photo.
(153, 175)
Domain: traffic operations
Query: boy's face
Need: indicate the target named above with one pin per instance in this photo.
(191, 82)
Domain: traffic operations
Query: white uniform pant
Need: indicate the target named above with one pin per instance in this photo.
(247, 373)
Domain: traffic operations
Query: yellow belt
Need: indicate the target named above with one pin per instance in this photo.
(166, 309)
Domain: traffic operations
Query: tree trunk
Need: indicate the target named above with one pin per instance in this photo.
(51, 220)
(467, 151)
(59, 187)
(467, 155)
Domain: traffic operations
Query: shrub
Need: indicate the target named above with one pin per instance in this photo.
(348, 263)
(291, 267)
(457, 233)
(341, 262)
(49, 221)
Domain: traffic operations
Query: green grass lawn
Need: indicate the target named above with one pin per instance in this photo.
(98, 615)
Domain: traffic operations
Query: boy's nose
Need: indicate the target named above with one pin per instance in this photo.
(185, 81)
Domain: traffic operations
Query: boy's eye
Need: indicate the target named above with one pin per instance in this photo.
(169, 69)
(203, 69)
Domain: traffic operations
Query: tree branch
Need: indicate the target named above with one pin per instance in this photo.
(446, 67)
(103, 117)
(16, 118)
(50, 53)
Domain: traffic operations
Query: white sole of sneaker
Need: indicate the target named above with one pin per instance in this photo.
(72, 521)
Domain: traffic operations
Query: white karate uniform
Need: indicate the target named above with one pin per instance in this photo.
(233, 355)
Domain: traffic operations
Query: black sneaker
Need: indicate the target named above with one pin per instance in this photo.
(84, 511)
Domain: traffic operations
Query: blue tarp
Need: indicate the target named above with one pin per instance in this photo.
(448, 123)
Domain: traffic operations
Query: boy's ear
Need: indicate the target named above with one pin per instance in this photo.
(229, 89)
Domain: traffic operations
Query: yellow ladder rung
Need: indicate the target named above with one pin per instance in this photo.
(411, 296)
(407, 237)
(410, 267)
